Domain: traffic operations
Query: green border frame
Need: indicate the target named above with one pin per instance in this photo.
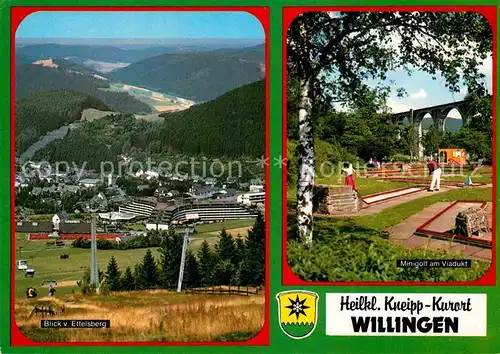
(280, 343)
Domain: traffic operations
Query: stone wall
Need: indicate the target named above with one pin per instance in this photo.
(471, 221)
(336, 200)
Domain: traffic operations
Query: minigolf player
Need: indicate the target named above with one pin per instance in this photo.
(349, 175)
(435, 172)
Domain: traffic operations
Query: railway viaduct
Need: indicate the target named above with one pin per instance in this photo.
(438, 114)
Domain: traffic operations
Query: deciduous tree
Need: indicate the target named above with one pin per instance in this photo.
(330, 55)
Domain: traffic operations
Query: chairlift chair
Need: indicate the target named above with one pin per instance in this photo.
(22, 264)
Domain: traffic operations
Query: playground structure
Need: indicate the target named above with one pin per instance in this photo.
(452, 156)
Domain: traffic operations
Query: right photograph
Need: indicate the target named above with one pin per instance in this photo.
(390, 148)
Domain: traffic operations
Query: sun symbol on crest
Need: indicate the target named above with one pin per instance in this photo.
(297, 307)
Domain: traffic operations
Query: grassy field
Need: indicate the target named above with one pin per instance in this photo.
(48, 265)
(91, 114)
(136, 227)
(48, 217)
(155, 315)
(151, 98)
(227, 225)
(213, 229)
(46, 260)
(475, 178)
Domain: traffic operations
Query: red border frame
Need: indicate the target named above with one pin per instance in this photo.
(443, 182)
(18, 13)
(382, 171)
(289, 14)
(447, 235)
(389, 192)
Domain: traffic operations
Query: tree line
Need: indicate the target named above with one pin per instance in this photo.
(231, 126)
(232, 261)
(199, 76)
(44, 112)
(33, 79)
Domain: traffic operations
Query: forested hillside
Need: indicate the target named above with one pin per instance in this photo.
(104, 139)
(199, 76)
(43, 112)
(232, 125)
(31, 79)
(72, 66)
(92, 52)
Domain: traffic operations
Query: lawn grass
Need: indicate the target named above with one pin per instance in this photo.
(48, 265)
(218, 226)
(475, 178)
(136, 227)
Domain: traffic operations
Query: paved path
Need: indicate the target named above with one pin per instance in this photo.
(403, 234)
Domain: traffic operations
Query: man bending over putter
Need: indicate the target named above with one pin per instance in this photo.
(435, 172)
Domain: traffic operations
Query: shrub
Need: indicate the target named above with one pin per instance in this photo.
(104, 288)
(105, 244)
(367, 257)
(402, 158)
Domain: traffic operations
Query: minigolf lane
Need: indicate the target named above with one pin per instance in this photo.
(404, 233)
(380, 197)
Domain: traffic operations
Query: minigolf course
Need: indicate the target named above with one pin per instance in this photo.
(461, 221)
(335, 200)
(458, 227)
(433, 229)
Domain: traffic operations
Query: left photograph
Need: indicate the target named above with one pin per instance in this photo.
(139, 176)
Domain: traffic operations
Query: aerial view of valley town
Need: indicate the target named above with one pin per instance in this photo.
(140, 176)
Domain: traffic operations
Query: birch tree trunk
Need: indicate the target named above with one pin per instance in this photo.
(306, 160)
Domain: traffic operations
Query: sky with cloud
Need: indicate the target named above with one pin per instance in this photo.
(140, 24)
(422, 90)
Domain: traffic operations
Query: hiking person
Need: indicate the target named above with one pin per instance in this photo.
(435, 172)
(52, 290)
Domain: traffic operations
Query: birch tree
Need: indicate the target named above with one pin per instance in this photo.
(330, 55)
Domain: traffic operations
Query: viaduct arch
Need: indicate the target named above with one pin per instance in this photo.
(438, 114)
